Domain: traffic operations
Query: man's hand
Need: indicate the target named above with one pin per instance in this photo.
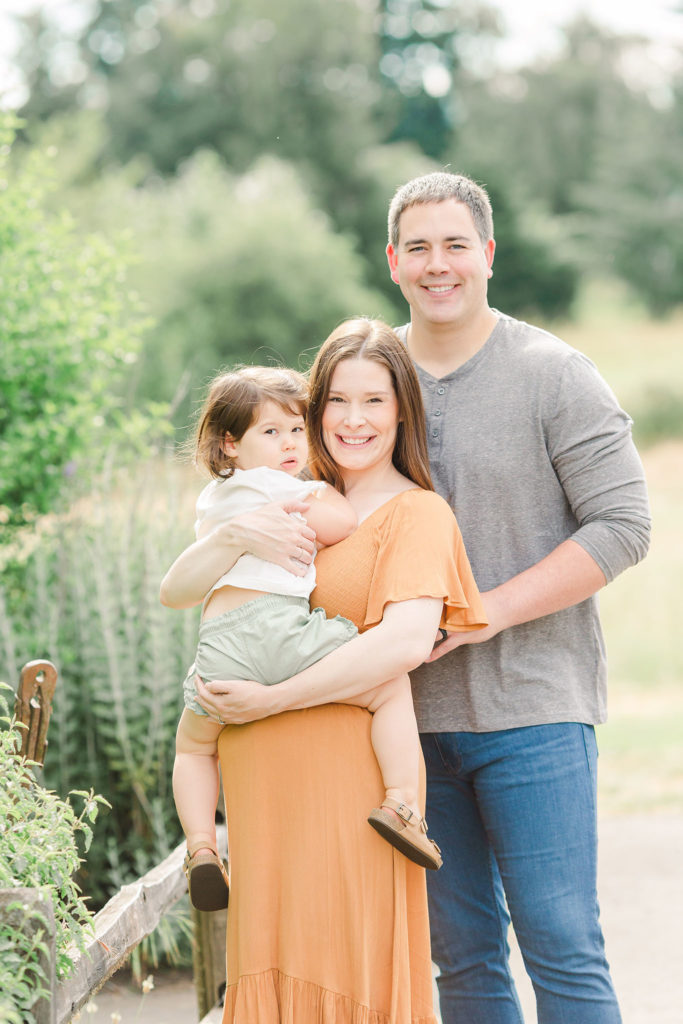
(453, 640)
(273, 534)
(493, 609)
(234, 702)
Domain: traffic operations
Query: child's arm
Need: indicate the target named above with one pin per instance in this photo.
(331, 515)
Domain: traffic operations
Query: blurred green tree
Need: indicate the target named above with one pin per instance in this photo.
(421, 44)
(294, 78)
(632, 212)
(297, 79)
(69, 330)
(589, 140)
(232, 266)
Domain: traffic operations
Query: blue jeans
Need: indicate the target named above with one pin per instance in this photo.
(514, 814)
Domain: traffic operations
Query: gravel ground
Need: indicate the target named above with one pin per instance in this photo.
(641, 894)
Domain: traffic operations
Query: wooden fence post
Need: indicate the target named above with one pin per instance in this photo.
(28, 911)
(208, 957)
(33, 707)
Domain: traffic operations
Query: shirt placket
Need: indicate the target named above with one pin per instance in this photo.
(435, 418)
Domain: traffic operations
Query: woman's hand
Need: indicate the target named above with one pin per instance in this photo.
(273, 534)
(235, 701)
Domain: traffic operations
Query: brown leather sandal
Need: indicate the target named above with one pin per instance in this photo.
(207, 880)
(408, 834)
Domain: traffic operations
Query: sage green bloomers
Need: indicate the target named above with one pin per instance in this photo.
(268, 639)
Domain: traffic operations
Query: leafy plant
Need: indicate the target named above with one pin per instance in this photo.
(38, 850)
(22, 949)
(69, 328)
(87, 598)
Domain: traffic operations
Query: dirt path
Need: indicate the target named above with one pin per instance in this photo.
(641, 893)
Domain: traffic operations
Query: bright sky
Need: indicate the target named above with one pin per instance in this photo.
(533, 28)
(533, 24)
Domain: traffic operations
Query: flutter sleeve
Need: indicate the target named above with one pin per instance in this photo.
(421, 554)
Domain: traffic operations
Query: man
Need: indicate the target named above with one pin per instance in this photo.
(530, 448)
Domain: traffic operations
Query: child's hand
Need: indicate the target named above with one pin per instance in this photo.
(273, 534)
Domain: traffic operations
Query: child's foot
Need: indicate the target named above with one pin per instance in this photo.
(407, 831)
(207, 879)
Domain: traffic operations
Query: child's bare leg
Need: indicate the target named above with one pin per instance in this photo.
(395, 738)
(195, 779)
(396, 743)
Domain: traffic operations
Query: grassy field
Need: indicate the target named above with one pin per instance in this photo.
(641, 763)
(642, 744)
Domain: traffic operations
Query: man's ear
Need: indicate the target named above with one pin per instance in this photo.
(489, 252)
(393, 262)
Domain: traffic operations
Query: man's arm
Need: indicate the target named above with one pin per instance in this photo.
(563, 578)
(588, 438)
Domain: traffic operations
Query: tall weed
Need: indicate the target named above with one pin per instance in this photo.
(86, 597)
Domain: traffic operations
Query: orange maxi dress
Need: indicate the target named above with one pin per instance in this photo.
(327, 923)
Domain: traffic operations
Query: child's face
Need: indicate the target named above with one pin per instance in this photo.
(276, 439)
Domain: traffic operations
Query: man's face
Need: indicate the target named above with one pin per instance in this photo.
(441, 264)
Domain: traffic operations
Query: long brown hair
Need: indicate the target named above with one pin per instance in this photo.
(362, 338)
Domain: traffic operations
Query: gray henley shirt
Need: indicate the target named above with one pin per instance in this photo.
(528, 445)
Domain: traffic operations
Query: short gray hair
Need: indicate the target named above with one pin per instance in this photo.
(437, 188)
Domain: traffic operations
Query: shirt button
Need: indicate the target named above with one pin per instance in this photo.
(440, 391)
(435, 433)
(437, 412)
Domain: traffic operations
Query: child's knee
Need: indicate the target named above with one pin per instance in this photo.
(196, 734)
(392, 690)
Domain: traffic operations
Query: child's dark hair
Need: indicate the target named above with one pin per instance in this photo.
(232, 405)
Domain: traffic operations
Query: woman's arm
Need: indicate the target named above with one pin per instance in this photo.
(399, 643)
(270, 533)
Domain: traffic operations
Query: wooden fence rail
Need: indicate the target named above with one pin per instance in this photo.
(129, 916)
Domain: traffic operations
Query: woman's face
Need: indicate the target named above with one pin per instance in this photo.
(360, 419)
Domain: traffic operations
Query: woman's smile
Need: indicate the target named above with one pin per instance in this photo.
(361, 416)
(355, 441)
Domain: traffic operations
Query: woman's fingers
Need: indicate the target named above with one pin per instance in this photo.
(234, 701)
(275, 534)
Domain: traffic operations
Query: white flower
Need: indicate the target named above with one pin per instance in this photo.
(116, 1017)
(148, 984)
(91, 1007)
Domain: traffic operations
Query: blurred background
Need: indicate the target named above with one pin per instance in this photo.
(188, 184)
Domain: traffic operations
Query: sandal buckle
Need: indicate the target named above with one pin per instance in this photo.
(404, 812)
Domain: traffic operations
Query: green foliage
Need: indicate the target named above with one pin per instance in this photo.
(633, 213)
(68, 331)
(23, 950)
(530, 275)
(658, 416)
(86, 597)
(295, 78)
(38, 850)
(421, 43)
(323, 87)
(233, 267)
(241, 268)
(584, 143)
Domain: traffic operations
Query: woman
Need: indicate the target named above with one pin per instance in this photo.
(326, 922)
